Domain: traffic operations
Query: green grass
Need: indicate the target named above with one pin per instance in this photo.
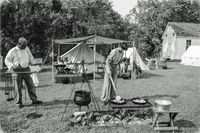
(178, 84)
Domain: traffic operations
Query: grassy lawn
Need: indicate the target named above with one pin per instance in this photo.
(178, 84)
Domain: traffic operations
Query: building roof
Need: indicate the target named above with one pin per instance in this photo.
(185, 29)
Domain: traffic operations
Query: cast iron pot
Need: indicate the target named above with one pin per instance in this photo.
(82, 98)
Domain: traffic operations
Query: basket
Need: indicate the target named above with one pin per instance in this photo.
(162, 105)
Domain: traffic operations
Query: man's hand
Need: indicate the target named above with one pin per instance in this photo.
(108, 69)
(109, 72)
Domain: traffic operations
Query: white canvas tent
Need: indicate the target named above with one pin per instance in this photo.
(82, 52)
(191, 57)
(134, 56)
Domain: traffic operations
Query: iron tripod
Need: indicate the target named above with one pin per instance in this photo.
(84, 77)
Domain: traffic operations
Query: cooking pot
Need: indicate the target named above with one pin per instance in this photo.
(162, 105)
(82, 98)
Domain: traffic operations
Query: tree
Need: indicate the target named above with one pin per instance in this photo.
(40, 21)
(25, 18)
(152, 17)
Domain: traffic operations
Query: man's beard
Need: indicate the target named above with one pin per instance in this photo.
(22, 47)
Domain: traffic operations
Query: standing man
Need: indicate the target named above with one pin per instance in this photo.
(18, 59)
(112, 65)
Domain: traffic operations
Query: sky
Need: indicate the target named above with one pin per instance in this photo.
(123, 6)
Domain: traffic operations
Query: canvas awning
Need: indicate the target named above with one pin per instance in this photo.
(79, 39)
(90, 39)
(105, 40)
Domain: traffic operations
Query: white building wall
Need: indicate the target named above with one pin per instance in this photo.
(174, 49)
(180, 47)
(195, 41)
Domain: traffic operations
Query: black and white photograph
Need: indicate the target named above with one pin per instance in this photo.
(100, 66)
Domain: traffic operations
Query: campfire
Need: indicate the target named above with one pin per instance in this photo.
(122, 116)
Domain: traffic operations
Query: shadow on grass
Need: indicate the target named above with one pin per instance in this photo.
(6, 88)
(184, 124)
(46, 69)
(11, 88)
(41, 86)
(161, 96)
(55, 102)
(148, 75)
(143, 75)
(23, 88)
(169, 68)
(70, 103)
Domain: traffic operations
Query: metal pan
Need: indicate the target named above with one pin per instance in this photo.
(117, 103)
(138, 101)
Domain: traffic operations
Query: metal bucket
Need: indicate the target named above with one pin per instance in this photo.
(162, 105)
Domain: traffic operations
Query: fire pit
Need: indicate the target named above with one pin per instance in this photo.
(82, 98)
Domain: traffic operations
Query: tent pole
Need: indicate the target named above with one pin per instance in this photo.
(94, 56)
(59, 49)
(52, 62)
(132, 77)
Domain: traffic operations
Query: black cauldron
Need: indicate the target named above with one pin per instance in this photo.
(82, 98)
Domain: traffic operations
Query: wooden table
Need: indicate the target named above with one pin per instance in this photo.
(172, 112)
(60, 67)
(130, 105)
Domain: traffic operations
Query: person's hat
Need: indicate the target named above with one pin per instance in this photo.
(124, 46)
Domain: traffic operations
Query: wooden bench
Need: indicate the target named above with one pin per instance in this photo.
(172, 112)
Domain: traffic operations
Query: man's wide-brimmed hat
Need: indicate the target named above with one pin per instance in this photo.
(124, 46)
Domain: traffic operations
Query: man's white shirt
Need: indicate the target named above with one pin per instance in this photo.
(18, 57)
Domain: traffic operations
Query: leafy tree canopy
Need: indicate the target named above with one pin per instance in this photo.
(40, 21)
